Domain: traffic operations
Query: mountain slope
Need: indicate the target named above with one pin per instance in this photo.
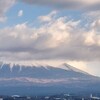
(20, 79)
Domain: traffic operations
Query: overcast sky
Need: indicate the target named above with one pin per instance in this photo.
(51, 31)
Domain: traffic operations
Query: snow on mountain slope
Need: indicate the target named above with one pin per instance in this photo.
(71, 68)
(63, 66)
(17, 77)
(44, 74)
(40, 71)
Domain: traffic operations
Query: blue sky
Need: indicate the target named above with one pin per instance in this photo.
(31, 12)
(53, 32)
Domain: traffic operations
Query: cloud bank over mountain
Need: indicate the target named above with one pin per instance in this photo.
(53, 38)
(51, 31)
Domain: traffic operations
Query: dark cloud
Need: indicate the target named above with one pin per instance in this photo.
(4, 6)
(67, 4)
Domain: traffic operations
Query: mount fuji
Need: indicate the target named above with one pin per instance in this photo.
(45, 79)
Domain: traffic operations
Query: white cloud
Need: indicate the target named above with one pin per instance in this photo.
(20, 13)
(48, 17)
(92, 37)
(3, 19)
(4, 7)
(59, 38)
(89, 38)
(79, 64)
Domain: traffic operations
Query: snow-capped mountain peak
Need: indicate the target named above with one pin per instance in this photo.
(71, 68)
(18, 76)
(22, 66)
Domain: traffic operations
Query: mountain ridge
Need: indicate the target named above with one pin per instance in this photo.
(47, 69)
(20, 78)
(64, 66)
